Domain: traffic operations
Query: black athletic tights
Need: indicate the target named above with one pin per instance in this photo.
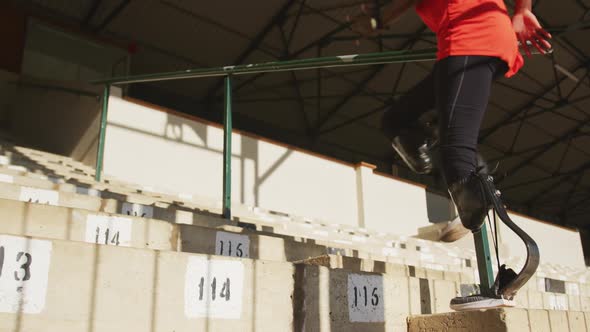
(459, 89)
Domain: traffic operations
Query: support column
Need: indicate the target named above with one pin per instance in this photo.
(227, 149)
(484, 260)
(102, 132)
(363, 173)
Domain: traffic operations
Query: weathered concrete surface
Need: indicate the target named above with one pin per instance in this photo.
(266, 247)
(104, 288)
(181, 215)
(356, 264)
(61, 223)
(113, 196)
(499, 320)
(481, 321)
(162, 212)
(323, 300)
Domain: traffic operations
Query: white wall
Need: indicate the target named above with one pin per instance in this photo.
(557, 245)
(395, 206)
(166, 151)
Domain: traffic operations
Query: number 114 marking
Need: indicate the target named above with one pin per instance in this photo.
(225, 289)
(114, 240)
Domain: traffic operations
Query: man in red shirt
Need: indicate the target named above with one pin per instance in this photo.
(477, 42)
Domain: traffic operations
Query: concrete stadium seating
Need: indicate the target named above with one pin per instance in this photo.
(79, 255)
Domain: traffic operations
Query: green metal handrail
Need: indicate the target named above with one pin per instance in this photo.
(267, 67)
(227, 71)
(277, 66)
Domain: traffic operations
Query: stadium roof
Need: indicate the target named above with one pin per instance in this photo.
(537, 126)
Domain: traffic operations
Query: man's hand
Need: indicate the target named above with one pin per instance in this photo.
(528, 30)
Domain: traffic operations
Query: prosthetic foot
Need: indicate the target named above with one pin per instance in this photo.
(479, 302)
(474, 197)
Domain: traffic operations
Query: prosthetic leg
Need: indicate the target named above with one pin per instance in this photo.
(414, 146)
(474, 197)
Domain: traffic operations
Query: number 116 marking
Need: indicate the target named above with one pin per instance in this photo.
(362, 293)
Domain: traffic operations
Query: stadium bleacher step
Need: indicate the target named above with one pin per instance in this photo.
(340, 300)
(136, 205)
(31, 219)
(53, 199)
(355, 264)
(55, 285)
(508, 320)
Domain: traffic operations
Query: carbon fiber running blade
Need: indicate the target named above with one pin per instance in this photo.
(533, 256)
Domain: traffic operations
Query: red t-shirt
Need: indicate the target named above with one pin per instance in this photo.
(472, 27)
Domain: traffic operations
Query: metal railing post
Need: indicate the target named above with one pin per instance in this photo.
(227, 148)
(484, 260)
(102, 131)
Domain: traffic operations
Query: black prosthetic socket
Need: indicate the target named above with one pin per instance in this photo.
(470, 198)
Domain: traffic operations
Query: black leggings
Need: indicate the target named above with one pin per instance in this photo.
(459, 89)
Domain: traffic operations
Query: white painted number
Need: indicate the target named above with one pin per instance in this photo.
(6, 178)
(24, 269)
(365, 298)
(213, 288)
(108, 230)
(41, 196)
(137, 210)
(233, 245)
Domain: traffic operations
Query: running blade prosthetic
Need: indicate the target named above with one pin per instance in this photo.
(507, 282)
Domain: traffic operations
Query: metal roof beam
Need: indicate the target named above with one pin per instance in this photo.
(362, 84)
(112, 16)
(488, 132)
(546, 148)
(580, 169)
(91, 12)
(276, 19)
(295, 83)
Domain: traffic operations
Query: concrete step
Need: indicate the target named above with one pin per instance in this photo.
(19, 153)
(340, 300)
(53, 285)
(61, 223)
(345, 237)
(354, 264)
(116, 187)
(508, 320)
(176, 214)
(534, 295)
(337, 238)
(35, 180)
(164, 290)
